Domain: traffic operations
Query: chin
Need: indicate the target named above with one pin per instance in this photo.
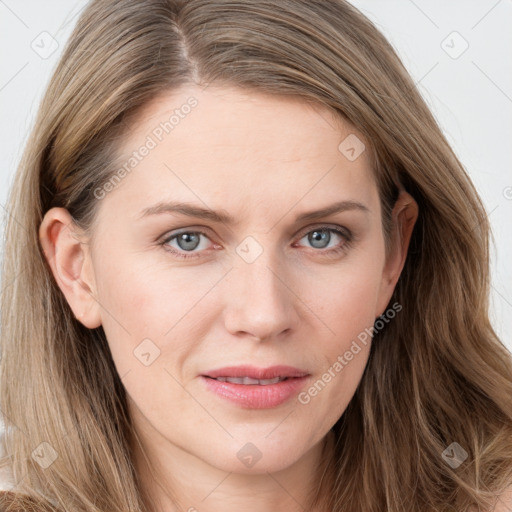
(261, 456)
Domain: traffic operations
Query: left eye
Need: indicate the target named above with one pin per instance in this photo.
(320, 235)
(320, 238)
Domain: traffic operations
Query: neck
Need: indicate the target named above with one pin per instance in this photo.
(173, 480)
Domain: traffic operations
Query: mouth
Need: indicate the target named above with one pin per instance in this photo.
(249, 381)
(247, 374)
(256, 388)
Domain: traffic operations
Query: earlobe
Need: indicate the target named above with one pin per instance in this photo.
(404, 216)
(69, 260)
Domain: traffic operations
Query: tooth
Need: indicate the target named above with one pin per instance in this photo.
(265, 382)
(235, 380)
(248, 380)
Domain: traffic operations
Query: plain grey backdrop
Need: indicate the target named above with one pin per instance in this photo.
(459, 53)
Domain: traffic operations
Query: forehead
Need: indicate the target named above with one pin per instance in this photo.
(227, 146)
(239, 122)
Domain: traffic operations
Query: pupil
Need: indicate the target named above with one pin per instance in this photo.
(318, 235)
(188, 240)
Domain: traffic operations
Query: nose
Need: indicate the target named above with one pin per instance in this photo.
(260, 301)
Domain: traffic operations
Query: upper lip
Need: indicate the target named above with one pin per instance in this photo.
(257, 373)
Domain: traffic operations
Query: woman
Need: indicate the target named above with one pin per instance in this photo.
(249, 272)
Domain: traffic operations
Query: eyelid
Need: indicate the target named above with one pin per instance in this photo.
(304, 231)
(189, 229)
(335, 227)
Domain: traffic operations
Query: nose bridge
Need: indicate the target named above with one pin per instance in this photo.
(259, 302)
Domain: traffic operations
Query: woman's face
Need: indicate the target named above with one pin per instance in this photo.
(267, 288)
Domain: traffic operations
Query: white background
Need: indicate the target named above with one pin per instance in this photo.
(471, 95)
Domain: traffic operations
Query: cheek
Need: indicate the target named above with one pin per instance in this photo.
(347, 307)
(346, 298)
(152, 309)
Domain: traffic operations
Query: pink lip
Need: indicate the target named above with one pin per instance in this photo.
(256, 373)
(256, 396)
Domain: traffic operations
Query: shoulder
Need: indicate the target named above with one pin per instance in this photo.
(504, 503)
(7, 499)
(14, 502)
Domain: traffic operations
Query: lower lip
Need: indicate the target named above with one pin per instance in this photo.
(256, 396)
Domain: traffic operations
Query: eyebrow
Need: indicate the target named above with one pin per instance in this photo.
(222, 216)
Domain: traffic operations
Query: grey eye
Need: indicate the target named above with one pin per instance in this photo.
(319, 238)
(187, 241)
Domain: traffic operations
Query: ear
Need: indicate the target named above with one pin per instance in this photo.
(404, 216)
(69, 259)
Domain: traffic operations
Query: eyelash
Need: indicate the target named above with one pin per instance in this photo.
(333, 252)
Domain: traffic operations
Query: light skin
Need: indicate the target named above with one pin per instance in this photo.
(263, 160)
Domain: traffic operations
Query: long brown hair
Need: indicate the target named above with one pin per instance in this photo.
(437, 374)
